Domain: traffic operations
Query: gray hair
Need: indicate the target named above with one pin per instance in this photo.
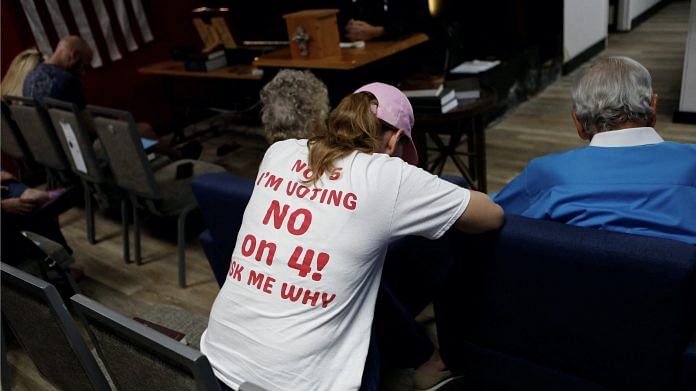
(611, 92)
(294, 104)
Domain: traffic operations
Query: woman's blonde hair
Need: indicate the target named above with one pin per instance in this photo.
(20, 67)
(352, 126)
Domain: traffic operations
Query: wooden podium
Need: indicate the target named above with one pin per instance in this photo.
(313, 34)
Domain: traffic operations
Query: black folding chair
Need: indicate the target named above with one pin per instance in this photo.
(37, 317)
(140, 358)
(35, 127)
(78, 147)
(164, 192)
(12, 142)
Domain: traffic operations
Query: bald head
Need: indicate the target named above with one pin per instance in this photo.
(71, 54)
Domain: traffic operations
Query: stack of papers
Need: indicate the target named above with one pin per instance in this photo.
(474, 66)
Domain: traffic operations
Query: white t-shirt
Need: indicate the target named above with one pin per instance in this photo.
(296, 310)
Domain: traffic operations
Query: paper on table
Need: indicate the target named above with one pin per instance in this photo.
(354, 44)
(474, 66)
(74, 147)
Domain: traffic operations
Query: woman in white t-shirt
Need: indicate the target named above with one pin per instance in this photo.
(295, 312)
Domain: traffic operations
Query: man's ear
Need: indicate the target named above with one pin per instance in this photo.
(653, 119)
(391, 147)
(74, 56)
(578, 125)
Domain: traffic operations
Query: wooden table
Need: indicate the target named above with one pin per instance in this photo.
(176, 69)
(170, 70)
(348, 59)
(466, 120)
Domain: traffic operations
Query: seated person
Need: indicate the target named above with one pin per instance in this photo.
(294, 104)
(382, 19)
(295, 312)
(59, 78)
(27, 209)
(628, 179)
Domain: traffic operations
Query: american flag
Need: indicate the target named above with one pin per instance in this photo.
(74, 17)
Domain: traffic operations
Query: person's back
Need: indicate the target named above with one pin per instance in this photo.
(628, 179)
(643, 189)
(58, 76)
(51, 81)
(296, 310)
(323, 246)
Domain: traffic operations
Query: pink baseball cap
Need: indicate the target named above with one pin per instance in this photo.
(394, 109)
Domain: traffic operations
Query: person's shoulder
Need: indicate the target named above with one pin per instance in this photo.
(558, 159)
(675, 146)
(289, 143)
(381, 160)
(288, 146)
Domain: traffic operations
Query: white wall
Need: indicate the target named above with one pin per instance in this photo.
(630, 9)
(585, 22)
(687, 100)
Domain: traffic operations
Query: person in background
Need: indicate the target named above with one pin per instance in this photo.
(295, 312)
(27, 209)
(25, 62)
(294, 104)
(628, 179)
(59, 78)
(368, 20)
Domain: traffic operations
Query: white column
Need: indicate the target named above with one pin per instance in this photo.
(585, 22)
(687, 99)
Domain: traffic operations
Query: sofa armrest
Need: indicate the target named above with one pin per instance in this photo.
(689, 367)
(608, 307)
(219, 262)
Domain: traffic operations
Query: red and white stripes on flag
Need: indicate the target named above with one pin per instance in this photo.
(82, 15)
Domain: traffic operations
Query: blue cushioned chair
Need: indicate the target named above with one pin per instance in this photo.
(222, 198)
(546, 306)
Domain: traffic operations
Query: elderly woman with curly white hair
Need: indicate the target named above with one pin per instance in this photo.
(295, 103)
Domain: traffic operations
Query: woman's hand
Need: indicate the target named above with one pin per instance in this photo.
(17, 206)
(358, 30)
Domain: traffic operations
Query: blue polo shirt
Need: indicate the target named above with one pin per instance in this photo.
(50, 81)
(627, 180)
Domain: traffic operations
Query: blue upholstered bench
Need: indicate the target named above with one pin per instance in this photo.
(546, 306)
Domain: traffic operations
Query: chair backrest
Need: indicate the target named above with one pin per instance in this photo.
(34, 311)
(614, 309)
(222, 198)
(74, 138)
(12, 142)
(121, 142)
(139, 358)
(36, 129)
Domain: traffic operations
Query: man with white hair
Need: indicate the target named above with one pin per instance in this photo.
(628, 179)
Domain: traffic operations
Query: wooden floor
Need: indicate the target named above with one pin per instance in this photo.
(538, 127)
(542, 125)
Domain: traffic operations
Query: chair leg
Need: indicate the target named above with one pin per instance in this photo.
(124, 230)
(181, 242)
(89, 212)
(50, 181)
(6, 373)
(136, 236)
